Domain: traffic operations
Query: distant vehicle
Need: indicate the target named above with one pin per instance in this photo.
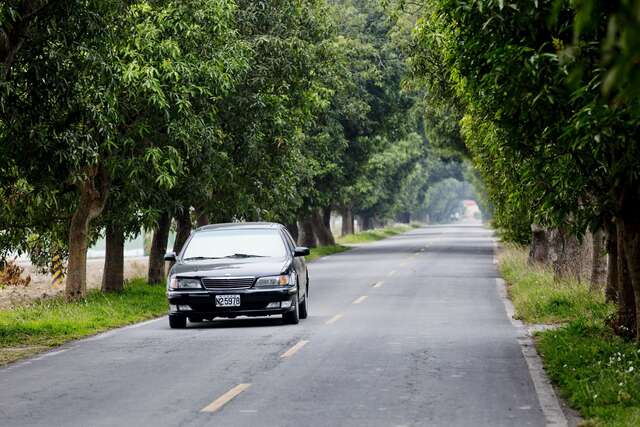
(238, 269)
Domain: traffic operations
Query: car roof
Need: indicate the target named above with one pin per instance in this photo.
(241, 226)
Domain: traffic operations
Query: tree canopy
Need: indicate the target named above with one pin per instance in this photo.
(545, 108)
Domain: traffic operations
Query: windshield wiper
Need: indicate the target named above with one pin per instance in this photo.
(196, 258)
(244, 256)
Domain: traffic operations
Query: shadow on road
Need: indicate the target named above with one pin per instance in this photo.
(238, 323)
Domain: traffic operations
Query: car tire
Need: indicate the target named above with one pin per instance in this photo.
(304, 306)
(177, 322)
(292, 317)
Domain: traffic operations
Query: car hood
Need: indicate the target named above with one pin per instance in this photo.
(231, 267)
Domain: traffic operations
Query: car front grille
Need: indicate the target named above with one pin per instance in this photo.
(225, 283)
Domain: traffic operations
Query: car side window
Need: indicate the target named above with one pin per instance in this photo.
(289, 239)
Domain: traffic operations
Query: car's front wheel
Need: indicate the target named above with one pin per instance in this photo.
(293, 317)
(177, 322)
(304, 306)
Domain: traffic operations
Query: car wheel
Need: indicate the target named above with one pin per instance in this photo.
(177, 322)
(304, 306)
(292, 317)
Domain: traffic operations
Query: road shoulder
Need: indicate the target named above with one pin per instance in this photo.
(556, 412)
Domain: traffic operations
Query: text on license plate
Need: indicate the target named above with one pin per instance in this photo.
(227, 300)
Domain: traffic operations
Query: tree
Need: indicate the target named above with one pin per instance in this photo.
(139, 84)
(552, 150)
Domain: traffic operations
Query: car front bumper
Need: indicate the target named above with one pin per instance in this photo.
(253, 302)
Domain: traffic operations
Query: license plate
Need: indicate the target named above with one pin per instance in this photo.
(227, 300)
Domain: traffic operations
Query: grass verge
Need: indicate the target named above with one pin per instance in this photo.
(595, 371)
(51, 322)
(324, 251)
(374, 235)
(538, 298)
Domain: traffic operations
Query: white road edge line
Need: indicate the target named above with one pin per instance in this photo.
(217, 404)
(293, 350)
(359, 300)
(50, 353)
(72, 344)
(544, 390)
(111, 332)
(334, 319)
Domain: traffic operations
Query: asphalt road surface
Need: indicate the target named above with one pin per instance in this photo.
(409, 331)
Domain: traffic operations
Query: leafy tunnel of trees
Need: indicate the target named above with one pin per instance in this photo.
(117, 117)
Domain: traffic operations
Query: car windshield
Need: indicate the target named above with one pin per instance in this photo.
(237, 243)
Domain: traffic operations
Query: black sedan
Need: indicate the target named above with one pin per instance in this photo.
(238, 269)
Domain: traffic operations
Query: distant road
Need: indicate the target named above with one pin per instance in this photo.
(409, 331)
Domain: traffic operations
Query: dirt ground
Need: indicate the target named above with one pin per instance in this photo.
(41, 287)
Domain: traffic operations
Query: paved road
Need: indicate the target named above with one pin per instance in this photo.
(409, 331)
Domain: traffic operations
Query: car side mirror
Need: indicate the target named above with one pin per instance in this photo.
(301, 251)
(170, 256)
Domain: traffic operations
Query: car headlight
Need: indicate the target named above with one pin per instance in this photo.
(183, 283)
(276, 281)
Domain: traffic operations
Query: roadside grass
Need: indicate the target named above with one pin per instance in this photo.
(374, 235)
(51, 322)
(362, 237)
(597, 372)
(538, 298)
(324, 251)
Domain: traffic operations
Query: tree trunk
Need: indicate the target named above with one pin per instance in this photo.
(94, 190)
(632, 252)
(568, 259)
(347, 220)
(159, 249)
(630, 220)
(113, 274)
(293, 230)
(626, 325)
(366, 222)
(183, 229)
(404, 217)
(326, 217)
(202, 218)
(322, 232)
(611, 291)
(598, 277)
(307, 237)
(539, 249)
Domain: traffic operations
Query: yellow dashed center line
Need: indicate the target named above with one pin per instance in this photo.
(334, 319)
(225, 398)
(293, 350)
(359, 300)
